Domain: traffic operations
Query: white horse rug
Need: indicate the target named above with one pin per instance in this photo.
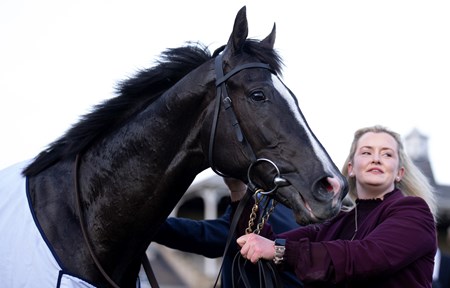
(26, 259)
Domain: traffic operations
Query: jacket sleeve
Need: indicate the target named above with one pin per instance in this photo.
(203, 237)
(404, 233)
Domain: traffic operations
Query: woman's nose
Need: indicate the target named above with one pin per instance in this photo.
(376, 158)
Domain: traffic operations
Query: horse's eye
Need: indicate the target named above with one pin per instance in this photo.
(258, 96)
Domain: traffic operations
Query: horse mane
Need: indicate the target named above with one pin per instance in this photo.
(133, 95)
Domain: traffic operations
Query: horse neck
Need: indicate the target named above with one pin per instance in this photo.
(157, 149)
(129, 182)
(132, 180)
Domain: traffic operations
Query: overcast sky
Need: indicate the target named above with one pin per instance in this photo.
(350, 63)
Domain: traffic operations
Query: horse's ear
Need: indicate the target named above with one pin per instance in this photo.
(270, 39)
(239, 34)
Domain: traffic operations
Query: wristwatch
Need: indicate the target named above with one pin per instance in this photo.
(279, 250)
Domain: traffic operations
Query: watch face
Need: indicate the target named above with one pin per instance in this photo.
(280, 242)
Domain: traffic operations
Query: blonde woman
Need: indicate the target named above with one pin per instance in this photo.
(387, 239)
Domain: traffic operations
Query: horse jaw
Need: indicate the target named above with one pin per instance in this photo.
(324, 203)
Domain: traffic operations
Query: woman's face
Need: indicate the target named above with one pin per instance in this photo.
(375, 165)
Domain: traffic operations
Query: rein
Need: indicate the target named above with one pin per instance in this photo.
(268, 274)
(145, 262)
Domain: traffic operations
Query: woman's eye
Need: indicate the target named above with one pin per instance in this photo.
(258, 96)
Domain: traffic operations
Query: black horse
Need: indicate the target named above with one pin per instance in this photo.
(114, 177)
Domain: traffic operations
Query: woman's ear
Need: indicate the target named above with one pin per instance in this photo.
(350, 169)
(400, 174)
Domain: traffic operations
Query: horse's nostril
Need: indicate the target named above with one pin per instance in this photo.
(326, 184)
(327, 187)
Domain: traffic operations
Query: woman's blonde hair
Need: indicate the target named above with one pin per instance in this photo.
(413, 182)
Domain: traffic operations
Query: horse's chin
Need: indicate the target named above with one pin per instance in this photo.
(292, 199)
(304, 215)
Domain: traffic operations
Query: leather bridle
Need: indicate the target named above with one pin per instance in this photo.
(222, 96)
(268, 275)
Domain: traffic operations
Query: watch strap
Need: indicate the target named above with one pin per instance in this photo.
(280, 248)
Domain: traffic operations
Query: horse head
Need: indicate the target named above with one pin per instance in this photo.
(275, 149)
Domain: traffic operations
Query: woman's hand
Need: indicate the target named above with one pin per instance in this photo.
(255, 247)
(237, 188)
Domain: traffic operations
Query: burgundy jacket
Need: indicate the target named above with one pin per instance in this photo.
(394, 246)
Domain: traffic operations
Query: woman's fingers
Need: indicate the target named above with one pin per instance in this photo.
(241, 240)
(254, 247)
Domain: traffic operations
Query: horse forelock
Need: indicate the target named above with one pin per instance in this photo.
(133, 95)
(264, 54)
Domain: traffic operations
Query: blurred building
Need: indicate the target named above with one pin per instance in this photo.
(417, 148)
(205, 199)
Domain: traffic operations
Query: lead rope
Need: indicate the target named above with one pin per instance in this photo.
(268, 274)
(265, 267)
(149, 272)
(233, 225)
